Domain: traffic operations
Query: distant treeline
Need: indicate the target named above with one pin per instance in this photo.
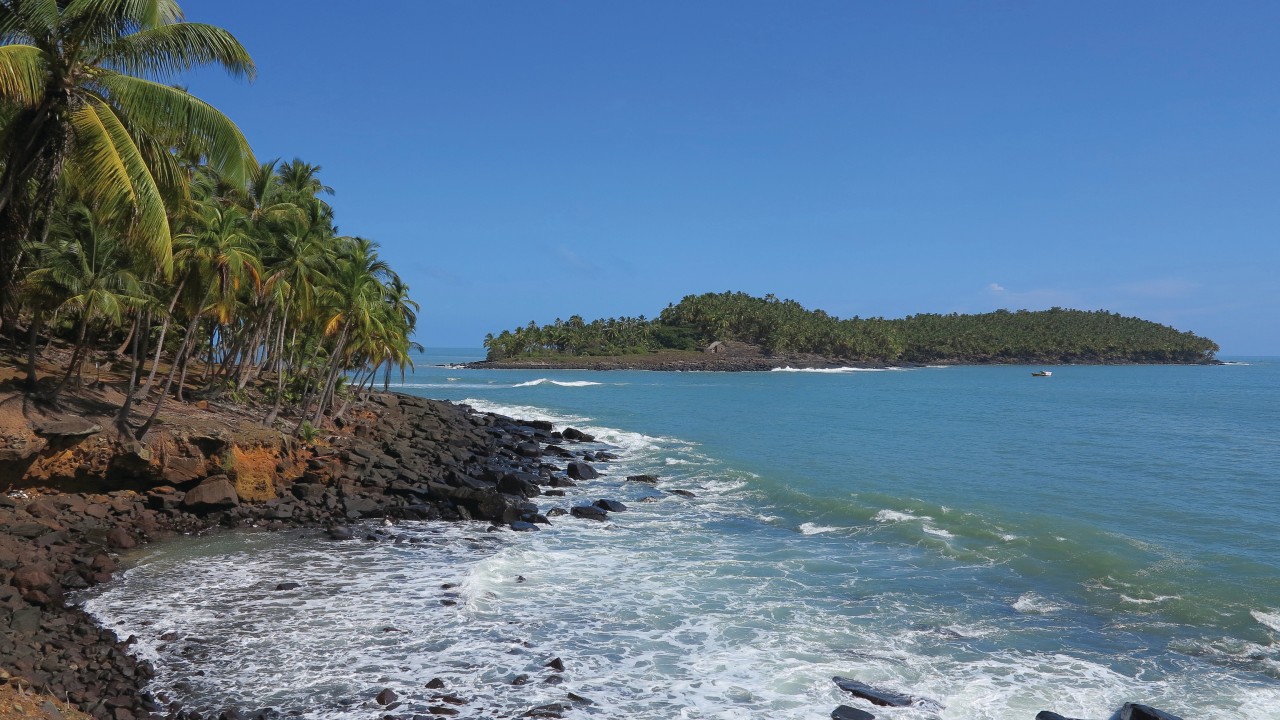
(785, 326)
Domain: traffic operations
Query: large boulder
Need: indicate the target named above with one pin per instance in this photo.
(581, 471)
(215, 493)
(874, 696)
(589, 512)
(844, 712)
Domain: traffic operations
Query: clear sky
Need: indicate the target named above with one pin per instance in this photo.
(529, 160)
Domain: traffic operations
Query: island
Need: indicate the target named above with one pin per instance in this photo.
(735, 331)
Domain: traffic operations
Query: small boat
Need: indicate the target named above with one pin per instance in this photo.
(1042, 373)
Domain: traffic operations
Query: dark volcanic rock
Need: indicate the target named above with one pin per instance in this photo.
(1134, 711)
(581, 471)
(386, 697)
(1050, 715)
(589, 512)
(576, 435)
(651, 479)
(682, 493)
(610, 505)
(874, 696)
(522, 526)
(844, 712)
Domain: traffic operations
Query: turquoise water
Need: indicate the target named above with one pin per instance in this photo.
(997, 543)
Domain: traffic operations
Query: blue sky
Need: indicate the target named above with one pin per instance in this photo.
(525, 161)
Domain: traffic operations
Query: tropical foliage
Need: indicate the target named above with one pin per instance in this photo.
(134, 216)
(784, 326)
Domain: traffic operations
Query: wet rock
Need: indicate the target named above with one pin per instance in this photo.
(550, 710)
(580, 699)
(555, 664)
(844, 712)
(442, 710)
(576, 435)
(874, 696)
(514, 484)
(589, 512)
(651, 479)
(610, 505)
(520, 679)
(386, 697)
(581, 471)
(522, 526)
(682, 493)
(280, 587)
(528, 449)
(1049, 715)
(341, 532)
(1134, 711)
(435, 683)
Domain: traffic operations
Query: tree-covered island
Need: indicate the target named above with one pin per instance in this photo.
(764, 331)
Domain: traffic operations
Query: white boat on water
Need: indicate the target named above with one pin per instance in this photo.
(1042, 373)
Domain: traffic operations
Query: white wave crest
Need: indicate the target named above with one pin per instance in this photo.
(1270, 619)
(524, 412)
(1030, 603)
(561, 383)
(891, 516)
(937, 532)
(1148, 601)
(815, 529)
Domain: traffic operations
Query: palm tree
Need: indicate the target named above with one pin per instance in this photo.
(83, 82)
(83, 264)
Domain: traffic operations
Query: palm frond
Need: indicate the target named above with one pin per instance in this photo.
(22, 72)
(151, 225)
(167, 50)
(149, 104)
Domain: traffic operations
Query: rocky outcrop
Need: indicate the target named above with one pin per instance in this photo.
(399, 456)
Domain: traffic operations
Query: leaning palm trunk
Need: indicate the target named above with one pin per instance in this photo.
(164, 328)
(75, 359)
(168, 382)
(122, 417)
(331, 381)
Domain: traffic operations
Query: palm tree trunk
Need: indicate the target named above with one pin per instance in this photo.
(183, 351)
(75, 358)
(270, 419)
(33, 333)
(164, 328)
(122, 417)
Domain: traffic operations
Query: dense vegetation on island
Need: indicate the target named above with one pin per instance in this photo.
(784, 326)
(135, 218)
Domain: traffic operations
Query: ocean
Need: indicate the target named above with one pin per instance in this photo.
(992, 543)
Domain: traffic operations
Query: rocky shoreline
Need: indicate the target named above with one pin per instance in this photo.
(402, 457)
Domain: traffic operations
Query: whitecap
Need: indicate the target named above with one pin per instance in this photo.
(815, 529)
(1269, 619)
(1030, 603)
(889, 516)
(1148, 601)
(561, 383)
(937, 532)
